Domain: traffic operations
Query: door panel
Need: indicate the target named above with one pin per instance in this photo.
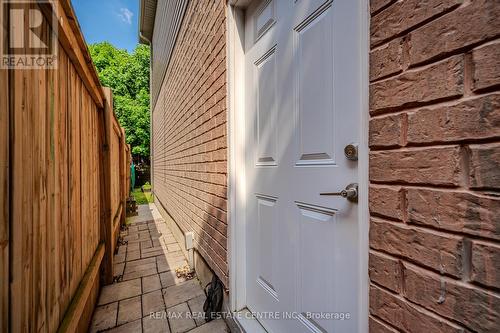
(267, 132)
(315, 223)
(268, 229)
(314, 53)
(302, 107)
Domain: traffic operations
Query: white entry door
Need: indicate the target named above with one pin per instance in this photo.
(302, 108)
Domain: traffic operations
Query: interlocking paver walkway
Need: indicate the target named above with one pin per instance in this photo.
(150, 298)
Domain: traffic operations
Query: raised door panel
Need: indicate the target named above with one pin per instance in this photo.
(267, 216)
(315, 265)
(313, 39)
(265, 18)
(266, 129)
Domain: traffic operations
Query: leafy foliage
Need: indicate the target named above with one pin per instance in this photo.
(128, 77)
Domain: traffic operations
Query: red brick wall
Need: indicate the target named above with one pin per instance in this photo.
(189, 133)
(435, 166)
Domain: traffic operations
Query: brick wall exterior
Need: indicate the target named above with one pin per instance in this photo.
(435, 166)
(189, 133)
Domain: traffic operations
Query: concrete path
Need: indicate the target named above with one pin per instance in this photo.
(149, 297)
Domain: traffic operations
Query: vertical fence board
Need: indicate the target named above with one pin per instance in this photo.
(4, 188)
(83, 175)
(56, 208)
(74, 148)
(64, 266)
(30, 206)
(41, 122)
(95, 164)
(16, 87)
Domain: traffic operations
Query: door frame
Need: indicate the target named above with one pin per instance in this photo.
(235, 62)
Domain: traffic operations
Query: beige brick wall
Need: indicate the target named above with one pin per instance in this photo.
(435, 166)
(189, 135)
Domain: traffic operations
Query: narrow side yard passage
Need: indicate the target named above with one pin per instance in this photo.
(149, 296)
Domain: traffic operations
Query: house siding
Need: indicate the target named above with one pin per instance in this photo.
(168, 18)
(434, 137)
(189, 135)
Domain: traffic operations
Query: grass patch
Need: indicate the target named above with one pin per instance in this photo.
(149, 197)
(142, 198)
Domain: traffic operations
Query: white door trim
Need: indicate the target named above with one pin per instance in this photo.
(364, 214)
(236, 168)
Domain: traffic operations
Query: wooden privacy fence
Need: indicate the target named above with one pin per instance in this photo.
(117, 183)
(63, 184)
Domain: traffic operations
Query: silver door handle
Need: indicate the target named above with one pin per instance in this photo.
(350, 192)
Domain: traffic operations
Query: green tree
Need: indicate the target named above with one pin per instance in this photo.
(128, 77)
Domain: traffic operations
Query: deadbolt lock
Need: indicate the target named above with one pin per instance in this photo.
(351, 151)
(350, 192)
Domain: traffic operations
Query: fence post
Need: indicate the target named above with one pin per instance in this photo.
(105, 196)
(123, 179)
